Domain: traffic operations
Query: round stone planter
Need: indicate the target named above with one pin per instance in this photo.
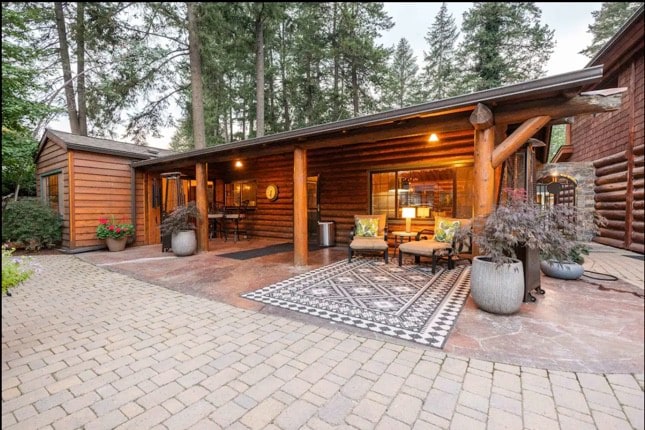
(115, 245)
(184, 243)
(561, 270)
(498, 289)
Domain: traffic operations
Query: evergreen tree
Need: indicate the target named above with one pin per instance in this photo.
(607, 21)
(403, 84)
(504, 43)
(439, 73)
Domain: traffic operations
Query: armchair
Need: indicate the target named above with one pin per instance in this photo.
(443, 242)
(369, 234)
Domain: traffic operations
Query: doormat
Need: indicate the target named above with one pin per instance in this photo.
(407, 302)
(267, 250)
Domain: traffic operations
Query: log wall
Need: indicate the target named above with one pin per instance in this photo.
(344, 181)
(615, 144)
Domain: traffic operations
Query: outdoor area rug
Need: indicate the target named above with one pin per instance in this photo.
(261, 252)
(407, 302)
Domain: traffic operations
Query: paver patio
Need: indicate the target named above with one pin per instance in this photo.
(88, 347)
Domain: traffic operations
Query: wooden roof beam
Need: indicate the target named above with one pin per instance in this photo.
(518, 138)
(584, 103)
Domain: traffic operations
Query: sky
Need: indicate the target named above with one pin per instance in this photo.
(570, 21)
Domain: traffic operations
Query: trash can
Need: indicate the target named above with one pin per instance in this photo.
(327, 233)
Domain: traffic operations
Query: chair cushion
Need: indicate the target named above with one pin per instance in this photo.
(381, 222)
(423, 247)
(366, 227)
(368, 244)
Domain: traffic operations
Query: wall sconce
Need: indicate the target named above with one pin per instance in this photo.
(408, 214)
(238, 164)
(433, 138)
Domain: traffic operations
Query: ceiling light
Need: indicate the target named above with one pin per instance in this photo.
(433, 137)
(238, 164)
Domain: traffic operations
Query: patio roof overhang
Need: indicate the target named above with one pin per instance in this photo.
(511, 104)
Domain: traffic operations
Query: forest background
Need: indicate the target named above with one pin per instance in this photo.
(132, 70)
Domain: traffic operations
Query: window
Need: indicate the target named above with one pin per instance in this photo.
(51, 185)
(239, 191)
(433, 191)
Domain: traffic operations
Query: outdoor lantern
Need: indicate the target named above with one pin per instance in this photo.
(408, 214)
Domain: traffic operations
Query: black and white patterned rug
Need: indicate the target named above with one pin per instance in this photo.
(407, 302)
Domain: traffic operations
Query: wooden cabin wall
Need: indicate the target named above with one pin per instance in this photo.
(615, 143)
(101, 188)
(140, 208)
(54, 157)
(344, 182)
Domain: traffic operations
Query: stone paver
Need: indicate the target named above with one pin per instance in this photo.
(85, 347)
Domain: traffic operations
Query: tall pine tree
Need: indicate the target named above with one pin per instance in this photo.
(403, 86)
(607, 20)
(504, 43)
(439, 73)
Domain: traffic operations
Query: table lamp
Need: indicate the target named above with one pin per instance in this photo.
(423, 212)
(408, 214)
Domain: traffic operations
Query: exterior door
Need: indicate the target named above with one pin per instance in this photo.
(313, 208)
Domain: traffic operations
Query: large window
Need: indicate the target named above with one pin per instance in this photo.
(240, 191)
(51, 186)
(443, 191)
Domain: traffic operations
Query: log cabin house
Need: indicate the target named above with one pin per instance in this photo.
(377, 163)
(613, 145)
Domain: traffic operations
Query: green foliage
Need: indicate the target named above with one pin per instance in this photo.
(520, 222)
(558, 138)
(111, 228)
(440, 71)
(504, 43)
(607, 21)
(31, 223)
(403, 86)
(13, 269)
(183, 218)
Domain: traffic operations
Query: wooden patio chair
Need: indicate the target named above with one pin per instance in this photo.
(369, 235)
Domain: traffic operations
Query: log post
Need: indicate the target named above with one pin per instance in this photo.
(483, 172)
(300, 239)
(201, 175)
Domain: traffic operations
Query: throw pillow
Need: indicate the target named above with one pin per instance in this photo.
(367, 227)
(445, 230)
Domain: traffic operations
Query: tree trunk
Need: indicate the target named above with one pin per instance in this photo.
(283, 73)
(199, 132)
(335, 48)
(80, 69)
(259, 74)
(67, 70)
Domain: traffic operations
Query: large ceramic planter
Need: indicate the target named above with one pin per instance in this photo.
(561, 270)
(498, 289)
(115, 245)
(184, 243)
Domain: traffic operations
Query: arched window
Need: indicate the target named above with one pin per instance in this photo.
(555, 190)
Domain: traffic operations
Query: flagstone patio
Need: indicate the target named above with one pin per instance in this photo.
(585, 325)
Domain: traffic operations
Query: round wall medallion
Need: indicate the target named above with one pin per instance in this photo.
(272, 192)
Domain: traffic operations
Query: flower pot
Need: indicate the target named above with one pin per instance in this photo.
(498, 289)
(561, 270)
(184, 243)
(115, 245)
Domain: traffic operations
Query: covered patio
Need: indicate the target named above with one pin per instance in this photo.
(585, 325)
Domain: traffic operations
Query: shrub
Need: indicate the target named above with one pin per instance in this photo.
(13, 270)
(31, 223)
(182, 218)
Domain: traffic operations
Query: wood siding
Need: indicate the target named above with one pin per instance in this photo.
(102, 187)
(54, 157)
(615, 143)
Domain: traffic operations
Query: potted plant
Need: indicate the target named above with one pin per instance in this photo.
(114, 233)
(497, 277)
(180, 224)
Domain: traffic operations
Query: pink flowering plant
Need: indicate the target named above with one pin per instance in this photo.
(108, 227)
